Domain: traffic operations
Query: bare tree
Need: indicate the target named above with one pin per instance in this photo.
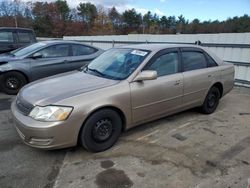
(6, 8)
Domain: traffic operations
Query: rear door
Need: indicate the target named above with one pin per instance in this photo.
(80, 55)
(7, 41)
(198, 75)
(153, 98)
(53, 61)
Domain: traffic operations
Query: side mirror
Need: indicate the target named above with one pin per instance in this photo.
(37, 55)
(146, 75)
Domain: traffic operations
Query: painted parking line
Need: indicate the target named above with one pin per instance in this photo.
(154, 141)
(115, 148)
(147, 135)
(170, 132)
(184, 125)
(180, 127)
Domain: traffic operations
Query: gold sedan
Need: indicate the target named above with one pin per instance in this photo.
(120, 89)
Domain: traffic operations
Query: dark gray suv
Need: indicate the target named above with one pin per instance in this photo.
(13, 38)
(40, 60)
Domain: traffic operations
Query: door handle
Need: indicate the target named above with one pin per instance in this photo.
(209, 76)
(177, 82)
(65, 61)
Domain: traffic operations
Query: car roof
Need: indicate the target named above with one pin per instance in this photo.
(66, 42)
(157, 47)
(16, 28)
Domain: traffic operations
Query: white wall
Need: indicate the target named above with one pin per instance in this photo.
(237, 54)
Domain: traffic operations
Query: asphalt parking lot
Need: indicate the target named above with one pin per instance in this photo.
(188, 149)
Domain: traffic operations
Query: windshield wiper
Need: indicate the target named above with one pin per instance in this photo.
(86, 69)
(95, 71)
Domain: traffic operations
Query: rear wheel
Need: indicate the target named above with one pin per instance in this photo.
(101, 130)
(211, 102)
(12, 82)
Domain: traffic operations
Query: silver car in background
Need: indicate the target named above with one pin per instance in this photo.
(42, 59)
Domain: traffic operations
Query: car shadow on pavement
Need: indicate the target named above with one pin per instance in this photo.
(5, 104)
(159, 123)
(5, 101)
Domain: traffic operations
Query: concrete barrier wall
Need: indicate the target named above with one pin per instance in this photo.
(231, 47)
(47, 38)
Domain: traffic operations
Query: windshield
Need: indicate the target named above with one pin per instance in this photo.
(116, 64)
(28, 49)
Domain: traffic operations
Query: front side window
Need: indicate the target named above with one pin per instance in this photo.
(78, 50)
(6, 36)
(193, 60)
(59, 50)
(28, 49)
(24, 37)
(117, 63)
(165, 64)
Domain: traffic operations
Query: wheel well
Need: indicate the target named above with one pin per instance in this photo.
(26, 77)
(121, 114)
(220, 87)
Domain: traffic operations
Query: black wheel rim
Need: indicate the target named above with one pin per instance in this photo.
(12, 83)
(212, 100)
(102, 130)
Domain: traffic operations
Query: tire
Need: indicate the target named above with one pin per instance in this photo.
(101, 130)
(12, 82)
(211, 101)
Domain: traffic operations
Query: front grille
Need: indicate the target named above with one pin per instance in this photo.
(23, 106)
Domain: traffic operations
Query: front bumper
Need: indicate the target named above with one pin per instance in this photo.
(45, 135)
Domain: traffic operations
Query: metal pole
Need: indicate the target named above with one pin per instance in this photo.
(15, 17)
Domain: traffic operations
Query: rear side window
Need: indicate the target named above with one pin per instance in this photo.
(24, 37)
(59, 50)
(6, 36)
(78, 50)
(193, 60)
(211, 61)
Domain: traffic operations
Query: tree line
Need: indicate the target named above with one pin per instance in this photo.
(57, 19)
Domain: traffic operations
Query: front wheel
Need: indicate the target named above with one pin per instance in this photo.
(12, 82)
(101, 130)
(211, 102)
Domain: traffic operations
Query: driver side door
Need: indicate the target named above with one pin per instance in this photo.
(155, 98)
(53, 61)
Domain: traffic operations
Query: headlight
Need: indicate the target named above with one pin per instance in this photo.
(50, 113)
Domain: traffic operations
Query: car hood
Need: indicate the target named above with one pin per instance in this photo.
(6, 58)
(53, 89)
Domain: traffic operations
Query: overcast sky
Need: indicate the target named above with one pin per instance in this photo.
(190, 9)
